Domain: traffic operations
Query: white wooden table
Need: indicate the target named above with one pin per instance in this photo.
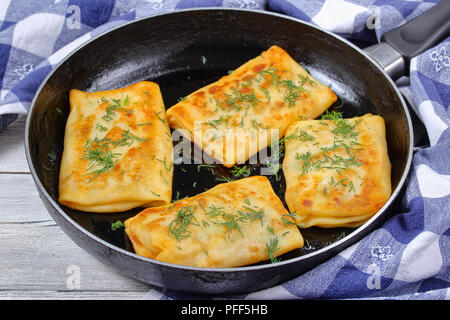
(37, 258)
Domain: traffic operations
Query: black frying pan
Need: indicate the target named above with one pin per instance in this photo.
(183, 51)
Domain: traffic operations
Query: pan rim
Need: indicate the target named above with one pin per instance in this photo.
(132, 255)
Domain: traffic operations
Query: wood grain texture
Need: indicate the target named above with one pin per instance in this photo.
(37, 257)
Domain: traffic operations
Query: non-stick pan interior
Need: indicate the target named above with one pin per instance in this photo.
(184, 51)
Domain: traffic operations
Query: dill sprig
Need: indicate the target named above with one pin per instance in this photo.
(100, 127)
(271, 73)
(258, 125)
(236, 99)
(215, 123)
(167, 166)
(302, 136)
(275, 167)
(251, 214)
(333, 161)
(160, 119)
(230, 223)
(292, 93)
(289, 219)
(111, 109)
(214, 211)
(270, 229)
(52, 156)
(127, 139)
(343, 127)
(223, 179)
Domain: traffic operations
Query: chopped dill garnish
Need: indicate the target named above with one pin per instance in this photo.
(164, 162)
(333, 115)
(270, 72)
(257, 125)
(293, 92)
(100, 127)
(160, 119)
(341, 235)
(343, 127)
(238, 172)
(271, 248)
(156, 194)
(127, 139)
(99, 154)
(287, 221)
(274, 167)
(178, 227)
(270, 229)
(126, 101)
(266, 93)
(223, 179)
(307, 161)
(216, 122)
(212, 124)
(210, 166)
(52, 156)
(251, 214)
(230, 223)
(329, 161)
(214, 211)
(116, 225)
(305, 136)
(352, 187)
(205, 223)
(342, 181)
(111, 110)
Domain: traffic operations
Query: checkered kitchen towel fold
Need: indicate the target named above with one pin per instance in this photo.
(408, 257)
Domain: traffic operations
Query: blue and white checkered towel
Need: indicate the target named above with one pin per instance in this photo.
(408, 257)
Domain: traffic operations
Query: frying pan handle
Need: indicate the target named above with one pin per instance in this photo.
(422, 33)
(403, 43)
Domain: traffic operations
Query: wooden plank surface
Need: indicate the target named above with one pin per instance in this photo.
(38, 261)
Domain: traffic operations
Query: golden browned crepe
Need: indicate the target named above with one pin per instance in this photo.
(235, 117)
(233, 224)
(117, 150)
(337, 171)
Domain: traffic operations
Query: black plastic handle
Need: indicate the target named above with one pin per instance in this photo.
(422, 33)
